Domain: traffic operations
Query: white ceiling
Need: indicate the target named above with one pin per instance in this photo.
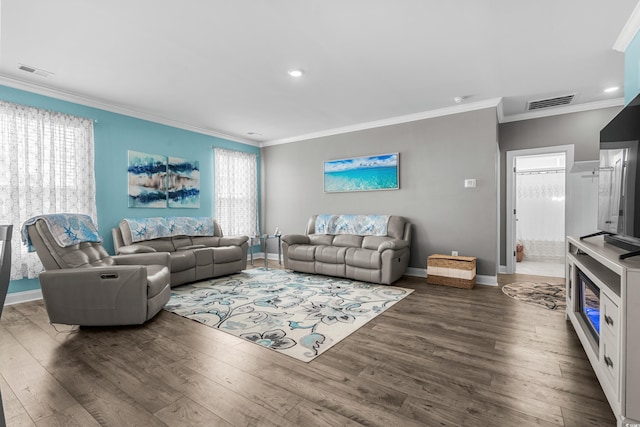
(220, 66)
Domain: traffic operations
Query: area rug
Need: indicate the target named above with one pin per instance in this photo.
(547, 295)
(300, 315)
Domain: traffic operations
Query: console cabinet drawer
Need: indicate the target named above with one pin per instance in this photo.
(610, 316)
(610, 360)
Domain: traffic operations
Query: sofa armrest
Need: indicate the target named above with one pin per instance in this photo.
(134, 249)
(295, 239)
(233, 240)
(155, 258)
(393, 245)
(96, 295)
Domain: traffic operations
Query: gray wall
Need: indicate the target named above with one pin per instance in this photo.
(580, 129)
(436, 155)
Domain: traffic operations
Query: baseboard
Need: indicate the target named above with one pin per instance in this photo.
(480, 279)
(414, 272)
(487, 280)
(20, 297)
(502, 269)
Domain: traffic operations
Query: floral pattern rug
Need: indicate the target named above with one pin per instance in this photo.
(300, 315)
(547, 295)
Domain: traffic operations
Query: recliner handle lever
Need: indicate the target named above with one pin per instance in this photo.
(109, 276)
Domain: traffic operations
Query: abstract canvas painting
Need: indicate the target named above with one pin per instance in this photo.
(147, 180)
(368, 173)
(184, 183)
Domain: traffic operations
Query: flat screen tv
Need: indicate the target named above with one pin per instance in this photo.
(619, 179)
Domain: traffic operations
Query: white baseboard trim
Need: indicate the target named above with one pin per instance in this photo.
(20, 297)
(480, 279)
(502, 269)
(414, 272)
(487, 280)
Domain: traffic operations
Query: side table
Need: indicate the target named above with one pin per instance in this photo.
(262, 241)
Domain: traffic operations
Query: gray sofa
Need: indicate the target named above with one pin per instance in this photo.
(192, 257)
(378, 257)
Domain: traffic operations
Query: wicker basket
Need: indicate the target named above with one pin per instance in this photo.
(449, 270)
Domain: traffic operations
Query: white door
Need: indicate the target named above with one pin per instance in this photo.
(511, 217)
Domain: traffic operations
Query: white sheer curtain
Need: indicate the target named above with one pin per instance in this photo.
(236, 191)
(46, 166)
(540, 211)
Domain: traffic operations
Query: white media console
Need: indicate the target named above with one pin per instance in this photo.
(614, 350)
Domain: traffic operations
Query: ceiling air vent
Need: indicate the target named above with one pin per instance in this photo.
(550, 102)
(36, 71)
(27, 69)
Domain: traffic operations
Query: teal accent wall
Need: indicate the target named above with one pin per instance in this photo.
(114, 135)
(632, 70)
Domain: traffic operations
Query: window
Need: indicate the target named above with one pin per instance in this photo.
(46, 166)
(236, 191)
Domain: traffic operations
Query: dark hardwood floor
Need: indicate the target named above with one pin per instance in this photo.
(440, 357)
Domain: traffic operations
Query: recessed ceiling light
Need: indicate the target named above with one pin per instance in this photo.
(458, 99)
(295, 73)
(611, 89)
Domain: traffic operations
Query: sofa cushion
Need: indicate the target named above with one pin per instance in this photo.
(182, 260)
(209, 241)
(364, 258)
(135, 249)
(181, 242)
(347, 240)
(331, 254)
(160, 245)
(226, 254)
(302, 252)
(321, 239)
(85, 254)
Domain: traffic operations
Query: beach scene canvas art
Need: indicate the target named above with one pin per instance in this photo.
(147, 180)
(184, 183)
(368, 173)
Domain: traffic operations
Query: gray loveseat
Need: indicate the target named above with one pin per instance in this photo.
(371, 248)
(196, 246)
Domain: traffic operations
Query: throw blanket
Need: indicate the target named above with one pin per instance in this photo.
(361, 225)
(66, 229)
(155, 228)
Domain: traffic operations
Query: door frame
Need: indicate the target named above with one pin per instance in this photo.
(510, 217)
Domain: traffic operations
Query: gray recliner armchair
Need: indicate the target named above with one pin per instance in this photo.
(83, 285)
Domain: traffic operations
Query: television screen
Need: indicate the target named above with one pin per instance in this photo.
(619, 180)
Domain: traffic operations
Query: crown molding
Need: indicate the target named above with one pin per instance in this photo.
(480, 105)
(629, 31)
(95, 103)
(616, 102)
